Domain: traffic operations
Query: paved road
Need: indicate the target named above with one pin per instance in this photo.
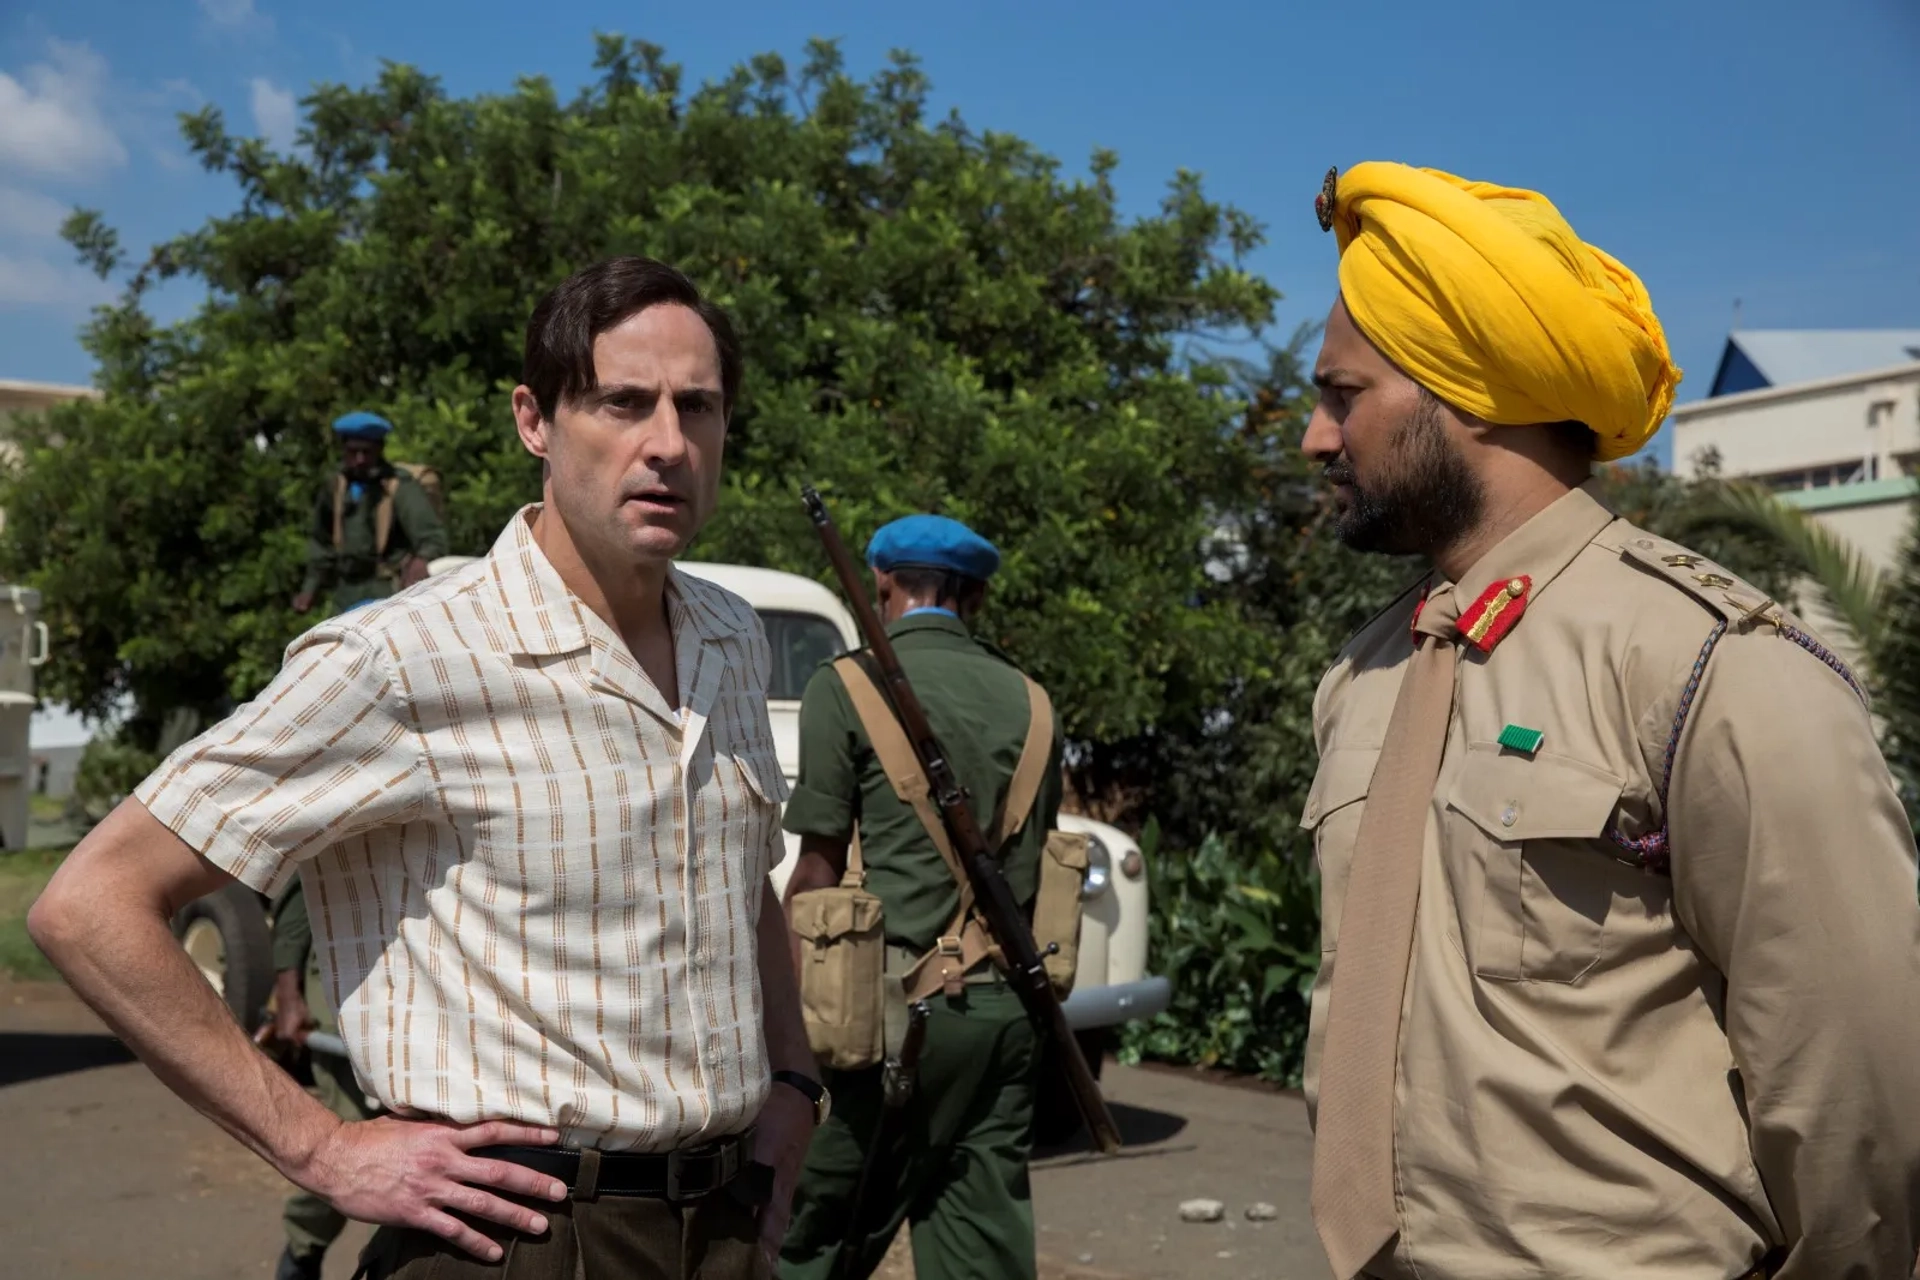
(107, 1175)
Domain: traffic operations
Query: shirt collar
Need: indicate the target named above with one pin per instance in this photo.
(1530, 557)
(545, 617)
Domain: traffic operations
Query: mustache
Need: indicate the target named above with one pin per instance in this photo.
(1339, 471)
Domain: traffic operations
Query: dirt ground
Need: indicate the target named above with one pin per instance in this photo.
(107, 1175)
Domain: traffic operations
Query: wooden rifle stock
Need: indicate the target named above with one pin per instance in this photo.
(1022, 962)
(897, 1080)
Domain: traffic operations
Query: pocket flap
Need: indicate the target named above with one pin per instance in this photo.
(1068, 848)
(821, 915)
(1343, 777)
(761, 769)
(1513, 797)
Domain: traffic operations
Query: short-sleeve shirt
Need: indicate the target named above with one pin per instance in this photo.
(976, 702)
(1664, 998)
(534, 883)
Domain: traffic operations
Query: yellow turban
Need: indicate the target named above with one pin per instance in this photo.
(1485, 296)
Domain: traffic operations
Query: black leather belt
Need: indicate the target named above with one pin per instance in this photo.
(688, 1174)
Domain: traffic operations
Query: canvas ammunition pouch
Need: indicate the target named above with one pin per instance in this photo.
(965, 943)
(842, 976)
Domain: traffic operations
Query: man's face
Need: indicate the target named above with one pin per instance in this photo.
(1401, 485)
(361, 458)
(636, 461)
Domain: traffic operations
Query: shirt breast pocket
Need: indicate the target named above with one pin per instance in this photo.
(753, 775)
(1332, 815)
(1528, 829)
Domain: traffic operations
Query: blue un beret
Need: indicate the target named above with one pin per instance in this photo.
(933, 542)
(361, 425)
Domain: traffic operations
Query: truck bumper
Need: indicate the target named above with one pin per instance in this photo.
(1120, 1002)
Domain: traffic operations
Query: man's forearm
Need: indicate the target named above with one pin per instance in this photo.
(111, 942)
(786, 1031)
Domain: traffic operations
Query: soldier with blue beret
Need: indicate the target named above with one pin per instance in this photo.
(959, 1174)
(376, 526)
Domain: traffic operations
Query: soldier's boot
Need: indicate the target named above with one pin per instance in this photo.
(299, 1267)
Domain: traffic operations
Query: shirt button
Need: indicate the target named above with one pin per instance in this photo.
(1509, 815)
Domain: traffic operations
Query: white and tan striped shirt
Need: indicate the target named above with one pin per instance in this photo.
(534, 885)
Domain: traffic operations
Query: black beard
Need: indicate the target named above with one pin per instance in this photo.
(1426, 502)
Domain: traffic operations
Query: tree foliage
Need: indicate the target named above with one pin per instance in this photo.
(933, 318)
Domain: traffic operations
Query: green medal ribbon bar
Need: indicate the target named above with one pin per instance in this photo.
(1526, 740)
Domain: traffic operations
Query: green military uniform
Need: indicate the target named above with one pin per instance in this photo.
(311, 1223)
(960, 1173)
(352, 570)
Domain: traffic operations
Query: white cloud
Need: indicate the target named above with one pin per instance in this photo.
(276, 117)
(229, 13)
(29, 213)
(35, 282)
(185, 91)
(51, 120)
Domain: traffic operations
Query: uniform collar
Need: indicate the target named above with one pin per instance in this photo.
(928, 622)
(1495, 592)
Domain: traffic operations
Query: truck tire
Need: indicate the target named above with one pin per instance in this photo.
(1056, 1120)
(225, 935)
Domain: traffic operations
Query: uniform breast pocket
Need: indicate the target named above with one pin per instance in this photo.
(1332, 815)
(1525, 832)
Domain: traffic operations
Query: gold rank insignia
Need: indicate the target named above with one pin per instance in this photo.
(1486, 621)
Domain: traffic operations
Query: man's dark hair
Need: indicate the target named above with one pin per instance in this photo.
(1576, 437)
(559, 357)
(926, 580)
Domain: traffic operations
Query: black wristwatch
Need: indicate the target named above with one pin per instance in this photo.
(815, 1092)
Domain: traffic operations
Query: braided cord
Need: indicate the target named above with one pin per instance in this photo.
(1652, 851)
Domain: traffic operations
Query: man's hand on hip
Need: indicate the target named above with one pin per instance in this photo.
(292, 1019)
(419, 1173)
(780, 1139)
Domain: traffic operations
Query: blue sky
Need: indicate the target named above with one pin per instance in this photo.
(1762, 150)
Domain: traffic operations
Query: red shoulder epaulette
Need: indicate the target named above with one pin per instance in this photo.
(1485, 622)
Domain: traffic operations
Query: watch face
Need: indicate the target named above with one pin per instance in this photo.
(824, 1107)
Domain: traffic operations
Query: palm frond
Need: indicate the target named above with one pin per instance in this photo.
(1843, 580)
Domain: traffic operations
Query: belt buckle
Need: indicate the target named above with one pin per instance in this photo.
(675, 1165)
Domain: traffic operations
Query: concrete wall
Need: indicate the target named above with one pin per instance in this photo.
(1845, 450)
(54, 769)
(1789, 429)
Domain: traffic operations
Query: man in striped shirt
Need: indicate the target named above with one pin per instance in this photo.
(534, 804)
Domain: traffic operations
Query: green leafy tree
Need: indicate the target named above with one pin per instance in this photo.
(933, 318)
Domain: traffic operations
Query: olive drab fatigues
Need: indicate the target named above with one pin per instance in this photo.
(311, 1223)
(961, 1171)
(1663, 1001)
(352, 571)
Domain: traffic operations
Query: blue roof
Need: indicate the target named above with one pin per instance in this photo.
(1757, 358)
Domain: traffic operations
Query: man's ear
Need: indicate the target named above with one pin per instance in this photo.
(530, 422)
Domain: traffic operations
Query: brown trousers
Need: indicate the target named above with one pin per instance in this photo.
(608, 1238)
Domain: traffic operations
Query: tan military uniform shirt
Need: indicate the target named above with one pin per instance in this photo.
(1606, 1068)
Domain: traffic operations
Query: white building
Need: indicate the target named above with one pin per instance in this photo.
(39, 749)
(1830, 419)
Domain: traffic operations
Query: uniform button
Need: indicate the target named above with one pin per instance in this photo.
(1509, 815)
(1644, 543)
